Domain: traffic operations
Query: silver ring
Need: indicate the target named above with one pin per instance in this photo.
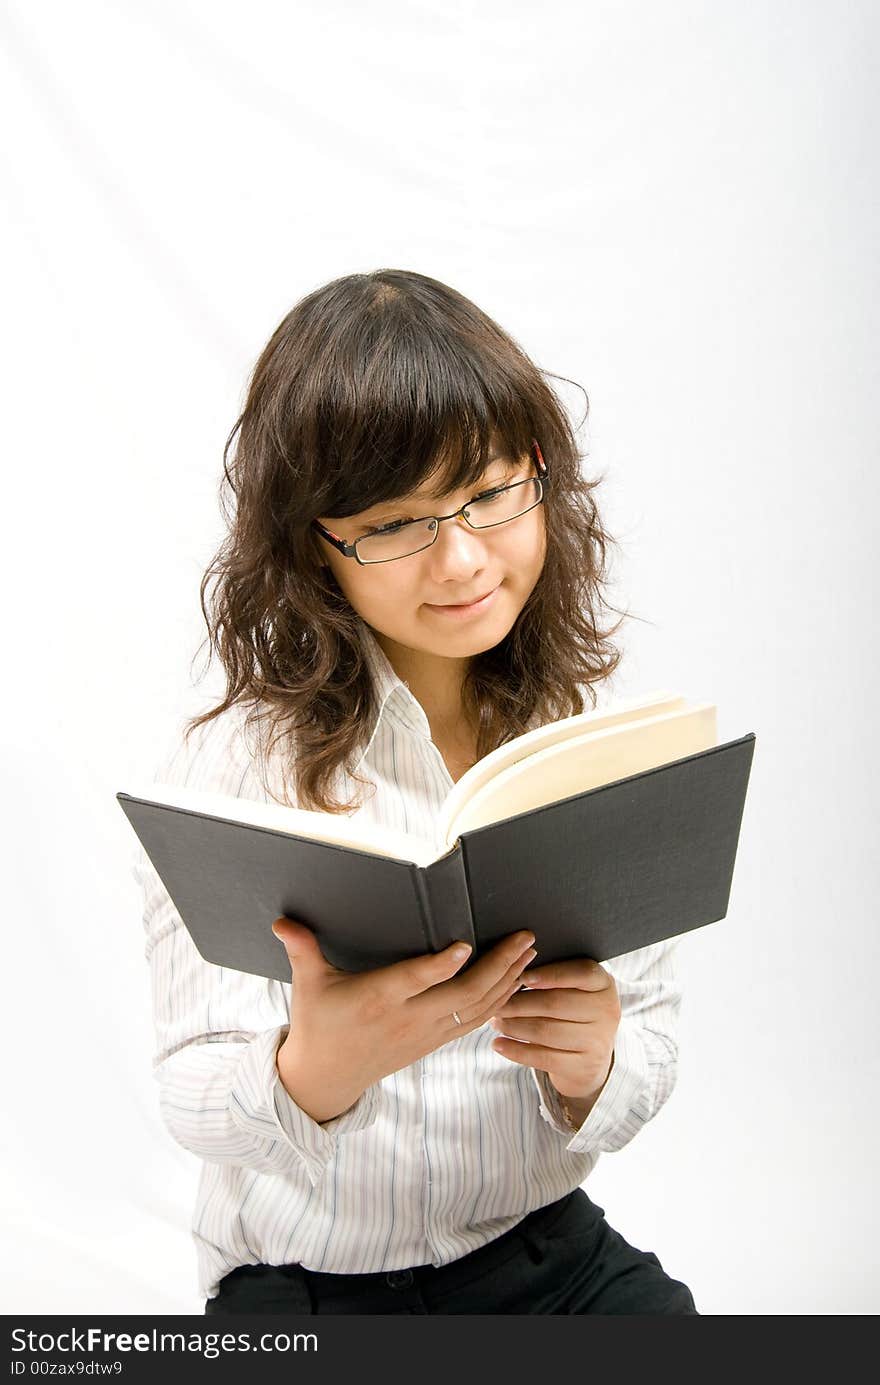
(456, 1017)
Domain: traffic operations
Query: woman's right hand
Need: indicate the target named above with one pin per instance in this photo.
(350, 1029)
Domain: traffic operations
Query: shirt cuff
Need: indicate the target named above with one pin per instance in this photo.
(260, 1103)
(628, 1076)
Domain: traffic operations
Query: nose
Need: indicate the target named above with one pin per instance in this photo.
(458, 550)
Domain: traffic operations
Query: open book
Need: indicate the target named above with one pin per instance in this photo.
(602, 833)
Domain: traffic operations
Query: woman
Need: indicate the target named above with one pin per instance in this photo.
(413, 575)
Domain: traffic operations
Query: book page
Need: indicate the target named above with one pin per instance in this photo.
(574, 765)
(334, 828)
(531, 742)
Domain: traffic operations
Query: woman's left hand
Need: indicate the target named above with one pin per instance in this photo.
(566, 1026)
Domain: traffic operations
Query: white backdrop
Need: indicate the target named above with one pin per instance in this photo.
(675, 205)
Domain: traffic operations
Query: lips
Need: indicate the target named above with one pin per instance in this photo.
(456, 605)
(467, 610)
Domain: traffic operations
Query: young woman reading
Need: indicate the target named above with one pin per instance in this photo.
(413, 575)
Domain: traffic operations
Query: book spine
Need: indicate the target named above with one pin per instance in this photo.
(421, 888)
(446, 907)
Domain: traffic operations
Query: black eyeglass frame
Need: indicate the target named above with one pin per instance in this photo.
(349, 550)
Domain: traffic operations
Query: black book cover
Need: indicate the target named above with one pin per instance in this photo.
(595, 875)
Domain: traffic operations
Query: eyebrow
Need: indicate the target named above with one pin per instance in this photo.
(438, 495)
(390, 506)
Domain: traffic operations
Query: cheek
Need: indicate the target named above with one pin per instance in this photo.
(528, 551)
(380, 597)
(349, 578)
(346, 579)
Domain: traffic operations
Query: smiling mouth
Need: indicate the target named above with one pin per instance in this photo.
(460, 605)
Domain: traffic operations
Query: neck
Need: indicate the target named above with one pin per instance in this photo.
(435, 681)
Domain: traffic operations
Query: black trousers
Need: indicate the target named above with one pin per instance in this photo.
(563, 1258)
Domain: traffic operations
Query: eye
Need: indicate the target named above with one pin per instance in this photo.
(387, 528)
(394, 524)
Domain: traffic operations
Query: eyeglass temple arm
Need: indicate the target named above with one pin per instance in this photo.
(347, 548)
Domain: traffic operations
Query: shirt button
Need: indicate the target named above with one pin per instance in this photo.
(399, 1279)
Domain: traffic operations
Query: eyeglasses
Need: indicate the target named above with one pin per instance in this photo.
(405, 537)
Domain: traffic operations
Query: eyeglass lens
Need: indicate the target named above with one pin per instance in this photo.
(505, 504)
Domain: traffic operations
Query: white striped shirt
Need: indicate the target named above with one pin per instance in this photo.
(432, 1161)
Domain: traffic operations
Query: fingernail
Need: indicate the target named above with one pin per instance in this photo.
(528, 957)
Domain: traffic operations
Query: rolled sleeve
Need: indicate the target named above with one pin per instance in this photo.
(260, 1105)
(217, 1036)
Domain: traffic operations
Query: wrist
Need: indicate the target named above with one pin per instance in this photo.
(315, 1099)
(575, 1109)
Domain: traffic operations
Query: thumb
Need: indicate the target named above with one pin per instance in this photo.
(299, 943)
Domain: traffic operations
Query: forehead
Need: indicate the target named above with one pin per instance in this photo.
(437, 485)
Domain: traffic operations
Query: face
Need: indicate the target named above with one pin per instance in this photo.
(412, 601)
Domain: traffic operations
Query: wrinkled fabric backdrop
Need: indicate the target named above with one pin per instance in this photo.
(675, 206)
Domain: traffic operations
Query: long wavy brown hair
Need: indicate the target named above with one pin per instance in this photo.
(369, 386)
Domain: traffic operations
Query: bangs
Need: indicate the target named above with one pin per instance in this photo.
(409, 396)
(444, 446)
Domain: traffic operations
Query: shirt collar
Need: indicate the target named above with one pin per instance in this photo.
(394, 700)
(393, 697)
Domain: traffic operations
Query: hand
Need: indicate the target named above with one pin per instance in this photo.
(349, 1029)
(566, 1026)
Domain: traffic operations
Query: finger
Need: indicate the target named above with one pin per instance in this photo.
(533, 1055)
(488, 976)
(301, 945)
(580, 972)
(414, 975)
(564, 1035)
(499, 995)
(581, 1007)
(502, 1001)
(479, 1001)
(475, 1015)
(453, 1030)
